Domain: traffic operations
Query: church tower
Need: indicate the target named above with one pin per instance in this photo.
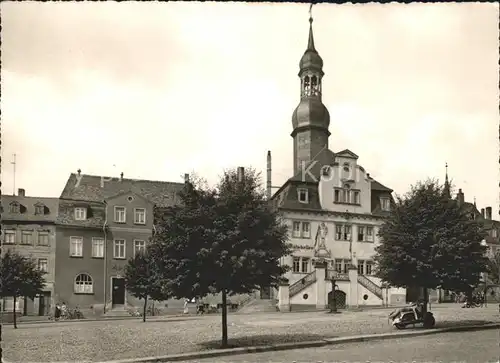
(310, 119)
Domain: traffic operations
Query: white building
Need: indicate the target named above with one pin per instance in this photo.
(333, 208)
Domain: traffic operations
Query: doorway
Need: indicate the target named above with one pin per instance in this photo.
(340, 299)
(44, 303)
(118, 292)
(265, 293)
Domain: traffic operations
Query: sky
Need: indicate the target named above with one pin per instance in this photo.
(156, 90)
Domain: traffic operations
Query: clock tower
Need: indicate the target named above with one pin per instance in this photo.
(310, 119)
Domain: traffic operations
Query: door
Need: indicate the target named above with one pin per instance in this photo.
(340, 299)
(44, 303)
(118, 295)
(265, 293)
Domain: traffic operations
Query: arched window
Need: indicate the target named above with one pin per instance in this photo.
(314, 85)
(307, 86)
(83, 284)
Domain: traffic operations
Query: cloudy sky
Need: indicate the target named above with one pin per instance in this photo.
(155, 90)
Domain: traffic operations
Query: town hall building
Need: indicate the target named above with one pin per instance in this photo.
(333, 208)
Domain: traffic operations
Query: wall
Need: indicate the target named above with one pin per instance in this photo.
(299, 298)
(36, 252)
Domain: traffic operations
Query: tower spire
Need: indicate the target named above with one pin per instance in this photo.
(310, 43)
(447, 183)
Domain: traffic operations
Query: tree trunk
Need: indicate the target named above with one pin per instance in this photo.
(14, 312)
(144, 309)
(224, 318)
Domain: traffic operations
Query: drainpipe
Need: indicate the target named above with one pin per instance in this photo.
(105, 252)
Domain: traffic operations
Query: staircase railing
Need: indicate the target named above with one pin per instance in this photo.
(304, 282)
(371, 286)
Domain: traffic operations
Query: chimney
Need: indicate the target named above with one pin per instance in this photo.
(268, 183)
(482, 212)
(241, 173)
(488, 213)
(186, 178)
(460, 197)
(121, 176)
(21, 192)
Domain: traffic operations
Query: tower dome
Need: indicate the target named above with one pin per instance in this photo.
(310, 112)
(311, 58)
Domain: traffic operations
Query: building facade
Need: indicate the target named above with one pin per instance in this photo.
(28, 227)
(333, 208)
(102, 223)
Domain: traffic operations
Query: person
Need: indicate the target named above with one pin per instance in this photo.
(57, 312)
(64, 310)
(186, 309)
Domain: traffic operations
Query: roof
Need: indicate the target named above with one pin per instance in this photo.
(93, 188)
(287, 196)
(27, 208)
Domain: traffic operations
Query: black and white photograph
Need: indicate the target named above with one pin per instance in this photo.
(250, 182)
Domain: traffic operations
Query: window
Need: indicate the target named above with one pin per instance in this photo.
(301, 264)
(43, 264)
(139, 246)
(39, 209)
(80, 214)
(296, 229)
(369, 234)
(343, 232)
(303, 195)
(347, 264)
(26, 237)
(338, 266)
(494, 233)
(346, 167)
(9, 237)
(385, 204)
(369, 267)
(83, 284)
(361, 233)
(140, 216)
(120, 214)
(14, 207)
(346, 195)
(98, 247)
(76, 246)
(119, 248)
(43, 238)
(361, 267)
(301, 229)
(305, 265)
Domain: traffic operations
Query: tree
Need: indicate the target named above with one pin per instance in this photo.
(226, 239)
(429, 241)
(142, 281)
(494, 268)
(19, 277)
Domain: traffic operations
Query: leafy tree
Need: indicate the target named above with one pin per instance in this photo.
(494, 268)
(226, 240)
(142, 281)
(19, 277)
(429, 241)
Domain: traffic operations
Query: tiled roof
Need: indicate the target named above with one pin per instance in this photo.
(27, 209)
(97, 189)
(287, 197)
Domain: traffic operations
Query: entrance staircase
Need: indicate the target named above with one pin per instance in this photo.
(304, 282)
(371, 286)
(117, 311)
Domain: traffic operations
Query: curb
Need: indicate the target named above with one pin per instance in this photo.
(302, 345)
(125, 318)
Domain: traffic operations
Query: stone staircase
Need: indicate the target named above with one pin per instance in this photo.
(371, 286)
(117, 311)
(259, 306)
(301, 284)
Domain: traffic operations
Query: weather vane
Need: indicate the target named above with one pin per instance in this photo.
(310, 10)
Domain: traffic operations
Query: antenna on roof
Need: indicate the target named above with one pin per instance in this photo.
(14, 166)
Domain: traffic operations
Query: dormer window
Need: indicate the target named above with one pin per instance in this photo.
(39, 209)
(303, 195)
(80, 214)
(385, 204)
(347, 167)
(14, 207)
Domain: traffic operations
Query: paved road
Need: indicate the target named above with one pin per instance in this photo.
(480, 346)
